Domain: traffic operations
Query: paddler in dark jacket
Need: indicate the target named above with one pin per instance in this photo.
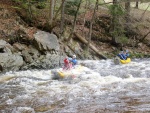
(123, 55)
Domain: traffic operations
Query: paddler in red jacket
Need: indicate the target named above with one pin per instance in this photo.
(67, 64)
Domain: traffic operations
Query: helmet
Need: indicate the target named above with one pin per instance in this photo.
(74, 56)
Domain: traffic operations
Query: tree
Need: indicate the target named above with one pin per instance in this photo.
(86, 6)
(113, 10)
(137, 4)
(127, 8)
(91, 24)
(74, 22)
(116, 29)
(62, 18)
(51, 12)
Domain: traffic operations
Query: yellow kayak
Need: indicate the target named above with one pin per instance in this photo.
(75, 71)
(125, 61)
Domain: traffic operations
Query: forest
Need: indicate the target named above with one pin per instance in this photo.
(120, 23)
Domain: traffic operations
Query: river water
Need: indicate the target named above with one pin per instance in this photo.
(102, 88)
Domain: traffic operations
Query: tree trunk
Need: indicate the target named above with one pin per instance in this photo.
(91, 24)
(82, 39)
(137, 5)
(62, 18)
(86, 5)
(127, 16)
(74, 23)
(114, 24)
(51, 14)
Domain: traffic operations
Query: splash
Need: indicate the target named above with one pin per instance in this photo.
(101, 87)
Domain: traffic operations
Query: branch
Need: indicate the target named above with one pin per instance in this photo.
(82, 39)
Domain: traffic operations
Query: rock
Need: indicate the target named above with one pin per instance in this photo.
(11, 62)
(45, 41)
(117, 60)
(27, 57)
(5, 47)
(68, 51)
(29, 53)
(19, 47)
(33, 52)
(51, 60)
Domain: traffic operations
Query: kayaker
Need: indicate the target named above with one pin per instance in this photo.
(73, 60)
(67, 64)
(123, 55)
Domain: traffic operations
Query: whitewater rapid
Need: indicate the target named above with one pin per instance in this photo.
(102, 87)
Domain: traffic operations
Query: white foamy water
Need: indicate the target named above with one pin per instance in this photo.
(102, 87)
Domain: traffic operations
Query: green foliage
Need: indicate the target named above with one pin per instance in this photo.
(117, 13)
(41, 5)
(123, 40)
(71, 6)
(116, 10)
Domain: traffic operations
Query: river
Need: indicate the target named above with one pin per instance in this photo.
(103, 88)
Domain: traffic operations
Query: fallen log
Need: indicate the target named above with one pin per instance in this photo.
(82, 39)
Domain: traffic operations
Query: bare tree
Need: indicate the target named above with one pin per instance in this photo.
(127, 16)
(91, 25)
(52, 22)
(74, 22)
(62, 18)
(51, 14)
(86, 5)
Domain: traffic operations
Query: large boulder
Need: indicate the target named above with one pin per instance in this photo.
(45, 41)
(49, 48)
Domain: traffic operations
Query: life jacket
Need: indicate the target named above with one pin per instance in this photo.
(67, 65)
(74, 61)
(66, 61)
(122, 56)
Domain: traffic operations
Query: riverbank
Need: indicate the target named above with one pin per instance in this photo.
(23, 46)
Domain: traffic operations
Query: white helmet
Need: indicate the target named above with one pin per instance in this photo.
(74, 56)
